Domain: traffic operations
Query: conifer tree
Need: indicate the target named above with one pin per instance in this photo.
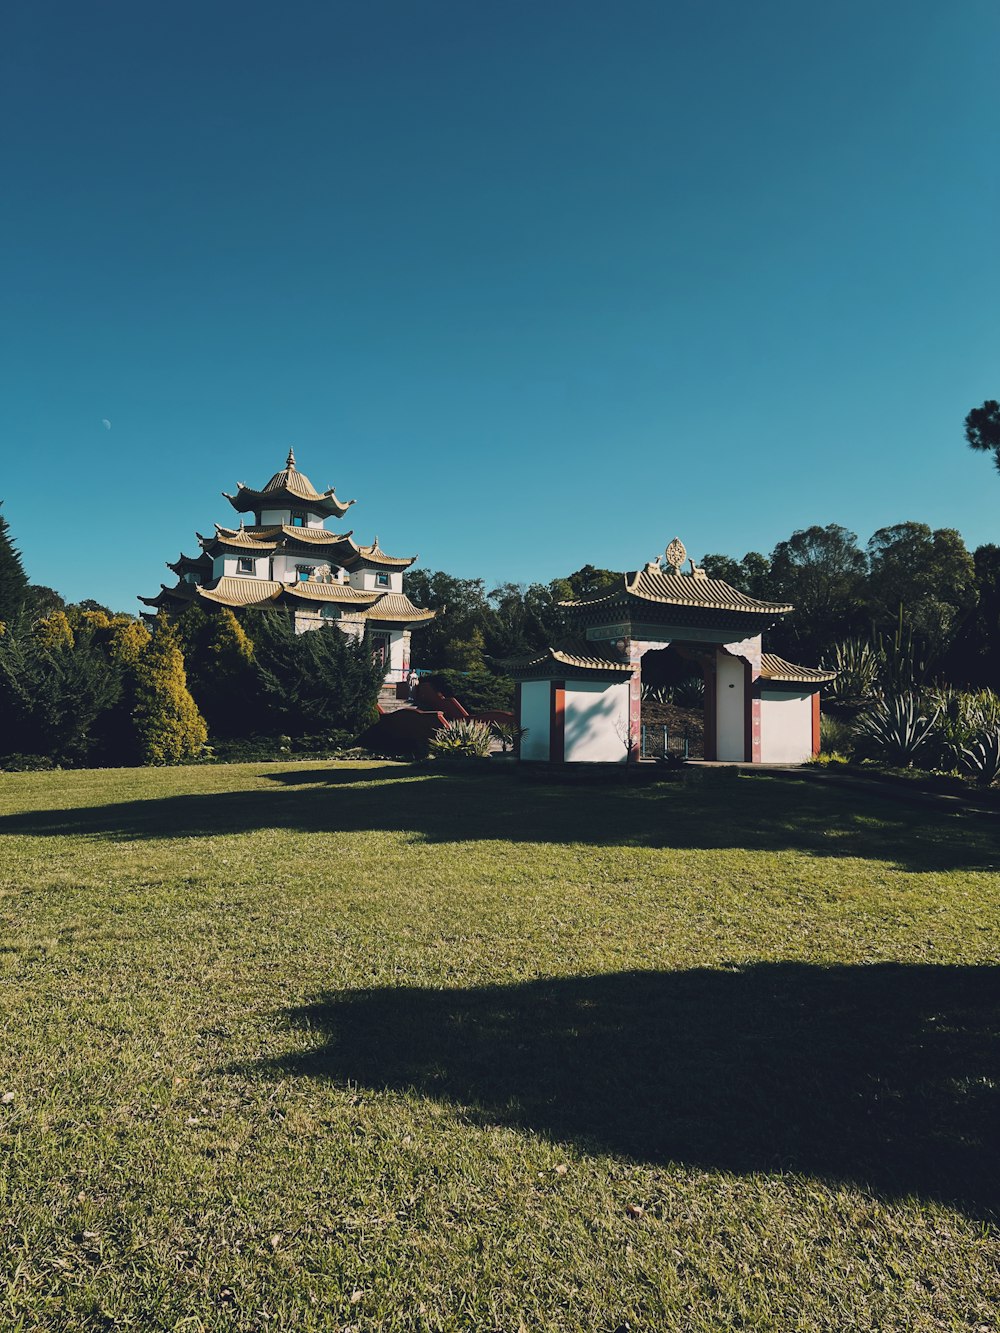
(169, 728)
(13, 580)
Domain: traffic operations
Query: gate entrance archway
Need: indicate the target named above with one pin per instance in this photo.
(672, 711)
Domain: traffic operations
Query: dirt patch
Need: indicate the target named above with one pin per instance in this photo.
(680, 722)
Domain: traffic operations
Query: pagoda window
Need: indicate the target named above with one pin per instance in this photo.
(245, 565)
(303, 573)
(381, 580)
(298, 520)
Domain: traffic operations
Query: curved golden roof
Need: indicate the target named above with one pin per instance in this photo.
(292, 485)
(578, 656)
(651, 584)
(331, 592)
(397, 608)
(231, 590)
(773, 667)
(374, 555)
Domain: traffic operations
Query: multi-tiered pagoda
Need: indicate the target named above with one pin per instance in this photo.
(285, 557)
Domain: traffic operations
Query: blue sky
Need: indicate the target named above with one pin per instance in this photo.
(539, 283)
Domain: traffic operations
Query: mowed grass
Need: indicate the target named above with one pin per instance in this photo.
(368, 1047)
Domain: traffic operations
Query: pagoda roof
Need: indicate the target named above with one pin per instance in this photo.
(238, 539)
(233, 590)
(396, 608)
(265, 539)
(374, 555)
(773, 667)
(181, 592)
(191, 563)
(275, 531)
(577, 656)
(311, 591)
(292, 486)
(653, 585)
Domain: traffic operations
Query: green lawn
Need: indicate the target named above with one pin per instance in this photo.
(361, 1046)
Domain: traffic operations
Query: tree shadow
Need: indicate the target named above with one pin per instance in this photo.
(757, 813)
(886, 1076)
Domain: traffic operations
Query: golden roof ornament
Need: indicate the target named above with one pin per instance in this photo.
(676, 554)
(290, 460)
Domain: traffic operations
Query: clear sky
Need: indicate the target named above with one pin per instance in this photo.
(539, 282)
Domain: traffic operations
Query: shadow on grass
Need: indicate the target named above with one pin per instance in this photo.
(755, 813)
(886, 1076)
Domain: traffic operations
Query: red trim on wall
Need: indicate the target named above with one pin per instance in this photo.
(751, 714)
(557, 723)
(635, 713)
(816, 723)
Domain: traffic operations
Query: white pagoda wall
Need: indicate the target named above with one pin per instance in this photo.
(595, 713)
(230, 564)
(730, 706)
(368, 579)
(535, 710)
(270, 518)
(785, 726)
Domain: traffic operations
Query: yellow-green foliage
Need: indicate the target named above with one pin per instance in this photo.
(54, 631)
(129, 640)
(169, 728)
(229, 640)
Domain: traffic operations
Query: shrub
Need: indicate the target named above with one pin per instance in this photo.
(690, 692)
(169, 728)
(52, 693)
(836, 735)
(509, 734)
(981, 759)
(320, 681)
(463, 739)
(476, 691)
(897, 731)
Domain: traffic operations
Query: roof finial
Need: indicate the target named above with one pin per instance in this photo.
(676, 555)
(290, 460)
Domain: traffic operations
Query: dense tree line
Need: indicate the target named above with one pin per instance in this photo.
(80, 684)
(948, 600)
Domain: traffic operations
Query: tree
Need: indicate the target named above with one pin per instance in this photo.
(40, 601)
(54, 688)
(751, 574)
(320, 681)
(974, 656)
(169, 728)
(982, 429)
(821, 571)
(13, 580)
(930, 575)
(218, 657)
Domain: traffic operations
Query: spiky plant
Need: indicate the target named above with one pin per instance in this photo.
(858, 665)
(462, 739)
(898, 729)
(690, 692)
(981, 759)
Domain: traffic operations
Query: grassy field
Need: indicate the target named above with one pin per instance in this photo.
(364, 1047)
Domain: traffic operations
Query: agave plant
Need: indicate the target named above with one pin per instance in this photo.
(982, 758)
(462, 739)
(858, 665)
(897, 729)
(690, 692)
